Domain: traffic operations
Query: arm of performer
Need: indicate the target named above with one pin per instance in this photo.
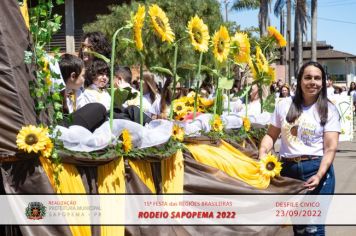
(268, 141)
(330, 146)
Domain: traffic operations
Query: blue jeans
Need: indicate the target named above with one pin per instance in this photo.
(303, 170)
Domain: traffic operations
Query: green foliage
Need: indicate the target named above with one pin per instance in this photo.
(43, 24)
(46, 94)
(121, 95)
(160, 54)
(159, 152)
(268, 104)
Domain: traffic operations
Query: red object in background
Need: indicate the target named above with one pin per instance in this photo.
(190, 116)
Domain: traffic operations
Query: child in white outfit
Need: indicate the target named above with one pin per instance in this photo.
(97, 78)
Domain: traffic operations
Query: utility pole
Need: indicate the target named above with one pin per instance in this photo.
(69, 27)
(288, 49)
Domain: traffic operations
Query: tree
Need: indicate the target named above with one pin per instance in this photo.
(179, 13)
(300, 25)
(314, 11)
(262, 5)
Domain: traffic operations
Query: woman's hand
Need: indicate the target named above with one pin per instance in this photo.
(312, 182)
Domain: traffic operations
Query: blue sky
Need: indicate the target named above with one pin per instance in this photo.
(336, 22)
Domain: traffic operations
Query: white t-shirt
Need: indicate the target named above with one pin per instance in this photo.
(330, 91)
(79, 100)
(136, 101)
(353, 95)
(93, 94)
(305, 135)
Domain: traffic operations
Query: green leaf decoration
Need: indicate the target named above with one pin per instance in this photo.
(225, 83)
(268, 104)
(100, 56)
(188, 66)
(162, 70)
(242, 93)
(121, 95)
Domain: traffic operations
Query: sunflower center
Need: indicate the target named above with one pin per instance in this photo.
(31, 139)
(221, 46)
(179, 108)
(198, 37)
(159, 22)
(270, 166)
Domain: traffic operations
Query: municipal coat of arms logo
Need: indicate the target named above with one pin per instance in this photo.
(35, 211)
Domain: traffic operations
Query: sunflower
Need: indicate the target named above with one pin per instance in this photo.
(270, 166)
(246, 123)
(160, 23)
(47, 151)
(139, 20)
(178, 133)
(199, 34)
(31, 139)
(179, 107)
(241, 47)
(46, 71)
(261, 60)
(273, 32)
(207, 102)
(126, 139)
(217, 124)
(272, 74)
(180, 117)
(291, 131)
(221, 42)
(252, 68)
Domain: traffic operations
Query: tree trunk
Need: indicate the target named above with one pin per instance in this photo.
(288, 49)
(314, 24)
(263, 17)
(298, 37)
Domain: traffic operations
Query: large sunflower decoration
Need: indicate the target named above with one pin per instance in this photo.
(179, 108)
(160, 23)
(273, 32)
(270, 166)
(178, 133)
(199, 34)
(246, 123)
(221, 44)
(260, 68)
(216, 124)
(34, 139)
(261, 60)
(138, 22)
(126, 139)
(240, 45)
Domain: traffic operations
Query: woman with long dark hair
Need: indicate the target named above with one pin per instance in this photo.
(309, 126)
(95, 42)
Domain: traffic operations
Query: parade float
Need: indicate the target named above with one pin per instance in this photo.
(199, 149)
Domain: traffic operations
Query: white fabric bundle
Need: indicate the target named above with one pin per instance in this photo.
(77, 138)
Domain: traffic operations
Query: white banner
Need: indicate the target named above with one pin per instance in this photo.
(177, 209)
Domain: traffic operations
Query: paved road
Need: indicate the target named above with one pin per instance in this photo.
(345, 172)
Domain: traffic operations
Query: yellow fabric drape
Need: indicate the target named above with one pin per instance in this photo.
(70, 182)
(230, 160)
(24, 12)
(111, 179)
(144, 172)
(172, 170)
